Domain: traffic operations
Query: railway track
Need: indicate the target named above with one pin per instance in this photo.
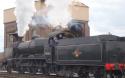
(16, 75)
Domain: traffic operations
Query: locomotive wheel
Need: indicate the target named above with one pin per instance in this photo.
(33, 70)
(9, 70)
(44, 69)
(70, 74)
(109, 75)
(21, 70)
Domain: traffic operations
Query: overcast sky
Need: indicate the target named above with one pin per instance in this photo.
(3, 5)
(105, 16)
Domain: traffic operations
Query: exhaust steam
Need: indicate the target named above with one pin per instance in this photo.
(59, 14)
(24, 11)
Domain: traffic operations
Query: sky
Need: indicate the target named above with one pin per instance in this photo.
(105, 16)
(4, 5)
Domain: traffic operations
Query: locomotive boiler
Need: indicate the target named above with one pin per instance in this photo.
(67, 53)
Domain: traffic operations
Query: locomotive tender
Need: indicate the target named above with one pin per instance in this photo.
(67, 53)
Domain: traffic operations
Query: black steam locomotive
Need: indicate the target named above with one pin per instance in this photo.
(66, 53)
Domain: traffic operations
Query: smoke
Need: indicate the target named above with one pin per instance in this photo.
(24, 11)
(40, 19)
(59, 14)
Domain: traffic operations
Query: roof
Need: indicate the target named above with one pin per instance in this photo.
(76, 3)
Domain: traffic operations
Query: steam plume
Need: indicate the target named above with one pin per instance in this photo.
(24, 11)
(59, 13)
(40, 19)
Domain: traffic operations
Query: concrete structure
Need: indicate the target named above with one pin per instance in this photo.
(78, 11)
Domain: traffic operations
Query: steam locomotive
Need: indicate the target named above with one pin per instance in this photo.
(67, 53)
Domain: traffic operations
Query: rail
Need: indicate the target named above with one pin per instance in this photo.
(4, 74)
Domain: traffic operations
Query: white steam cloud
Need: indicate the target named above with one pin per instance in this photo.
(24, 11)
(59, 14)
(40, 18)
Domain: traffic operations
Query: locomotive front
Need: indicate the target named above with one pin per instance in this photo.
(27, 56)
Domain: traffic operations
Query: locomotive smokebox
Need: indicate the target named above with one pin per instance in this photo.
(76, 26)
(79, 27)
